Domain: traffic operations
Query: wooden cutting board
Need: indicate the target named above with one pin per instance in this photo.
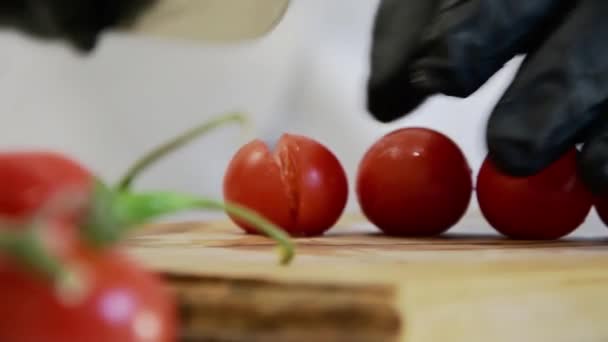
(355, 285)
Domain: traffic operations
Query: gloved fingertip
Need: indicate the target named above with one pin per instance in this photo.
(84, 42)
(389, 103)
(513, 158)
(515, 151)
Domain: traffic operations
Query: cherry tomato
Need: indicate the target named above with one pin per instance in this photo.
(414, 182)
(547, 206)
(299, 185)
(117, 301)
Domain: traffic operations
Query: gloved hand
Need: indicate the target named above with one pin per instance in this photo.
(452, 47)
(78, 22)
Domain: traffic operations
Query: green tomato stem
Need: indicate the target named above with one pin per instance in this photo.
(100, 226)
(25, 247)
(174, 144)
(261, 224)
(135, 209)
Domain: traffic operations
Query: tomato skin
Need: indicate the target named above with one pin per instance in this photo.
(414, 182)
(29, 179)
(300, 185)
(254, 179)
(546, 206)
(122, 300)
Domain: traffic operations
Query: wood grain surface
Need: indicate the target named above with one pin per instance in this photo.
(357, 285)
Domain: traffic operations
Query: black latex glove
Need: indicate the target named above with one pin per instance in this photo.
(78, 22)
(452, 47)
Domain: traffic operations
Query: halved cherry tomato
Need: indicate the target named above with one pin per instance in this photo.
(116, 301)
(414, 182)
(549, 205)
(299, 185)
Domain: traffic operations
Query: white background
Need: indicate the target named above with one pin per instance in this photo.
(306, 77)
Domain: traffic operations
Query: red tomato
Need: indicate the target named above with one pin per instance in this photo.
(119, 301)
(299, 185)
(30, 179)
(414, 182)
(548, 205)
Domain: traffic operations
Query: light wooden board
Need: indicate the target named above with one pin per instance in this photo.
(353, 285)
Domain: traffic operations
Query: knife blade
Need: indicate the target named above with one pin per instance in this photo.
(208, 20)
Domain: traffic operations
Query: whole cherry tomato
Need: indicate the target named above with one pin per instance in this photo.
(299, 185)
(547, 205)
(414, 182)
(114, 300)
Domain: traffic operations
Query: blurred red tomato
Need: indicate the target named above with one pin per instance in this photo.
(548, 205)
(414, 182)
(115, 300)
(30, 182)
(30, 179)
(299, 185)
